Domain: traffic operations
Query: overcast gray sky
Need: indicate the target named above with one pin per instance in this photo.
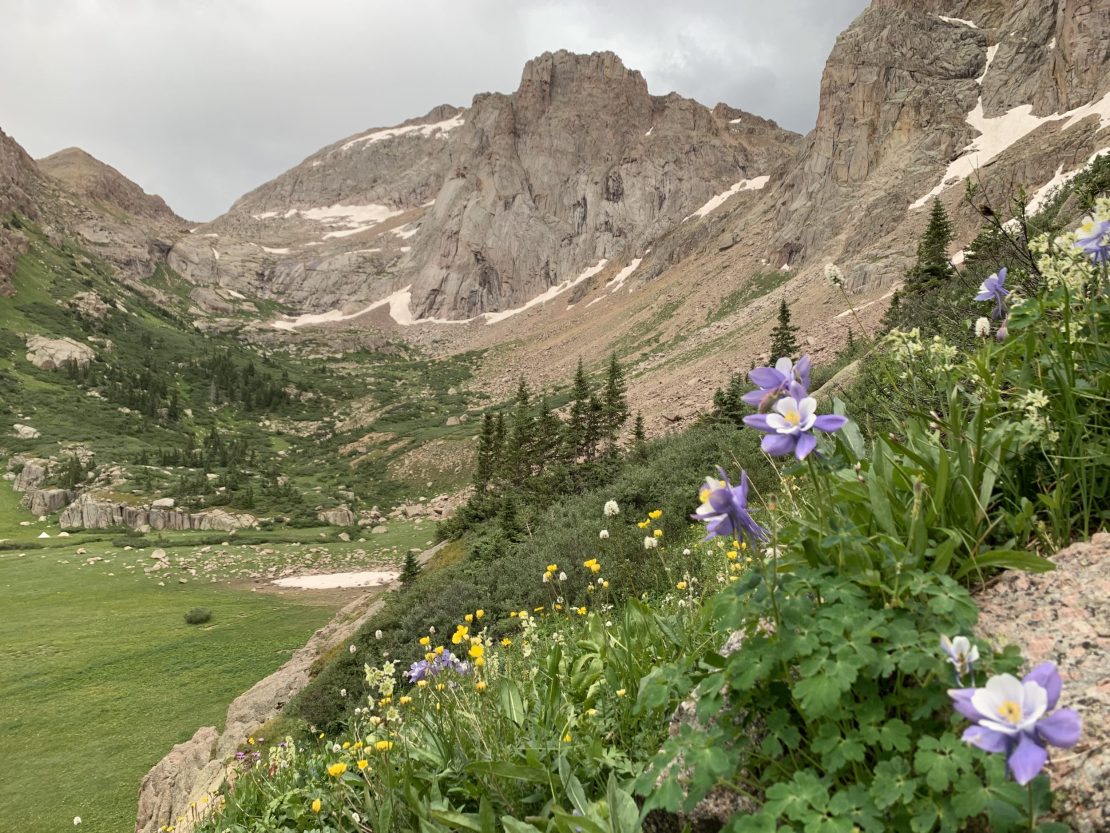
(202, 100)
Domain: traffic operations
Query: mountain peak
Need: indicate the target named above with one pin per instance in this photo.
(85, 175)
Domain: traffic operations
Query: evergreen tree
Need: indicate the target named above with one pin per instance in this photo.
(518, 453)
(727, 402)
(595, 427)
(639, 435)
(486, 468)
(411, 569)
(614, 405)
(932, 266)
(783, 342)
(578, 429)
(549, 434)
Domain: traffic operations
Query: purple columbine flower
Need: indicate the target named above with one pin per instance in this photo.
(724, 509)
(1012, 716)
(789, 428)
(785, 377)
(961, 653)
(994, 289)
(1093, 237)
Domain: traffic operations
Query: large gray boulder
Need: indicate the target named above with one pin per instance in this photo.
(56, 353)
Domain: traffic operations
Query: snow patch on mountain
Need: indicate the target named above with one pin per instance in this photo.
(753, 184)
(440, 127)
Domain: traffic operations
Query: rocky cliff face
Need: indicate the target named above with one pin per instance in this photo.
(917, 96)
(483, 209)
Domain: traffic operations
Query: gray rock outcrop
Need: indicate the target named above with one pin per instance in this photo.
(167, 789)
(25, 432)
(56, 353)
(92, 512)
(47, 501)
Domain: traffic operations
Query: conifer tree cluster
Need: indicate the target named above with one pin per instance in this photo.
(532, 440)
(530, 451)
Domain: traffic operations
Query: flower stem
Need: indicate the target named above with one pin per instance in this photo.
(1032, 813)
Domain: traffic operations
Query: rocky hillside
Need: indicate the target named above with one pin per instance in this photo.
(482, 210)
(20, 191)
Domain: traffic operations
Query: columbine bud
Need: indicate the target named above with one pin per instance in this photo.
(1003, 331)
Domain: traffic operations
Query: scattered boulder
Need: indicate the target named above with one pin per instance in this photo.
(31, 475)
(163, 503)
(339, 516)
(88, 304)
(56, 353)
(25, 432)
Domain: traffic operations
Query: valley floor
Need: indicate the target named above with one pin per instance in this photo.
(100, 675)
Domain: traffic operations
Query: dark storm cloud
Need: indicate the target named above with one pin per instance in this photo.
(203, 100)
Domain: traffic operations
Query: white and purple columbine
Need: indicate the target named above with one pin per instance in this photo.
(994, 289)
(424, 669)
(786, 377)
(1093, 237)
(724, 509)
(790, 425)
(1015, 717)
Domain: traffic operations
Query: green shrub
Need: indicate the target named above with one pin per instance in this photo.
(198, 616)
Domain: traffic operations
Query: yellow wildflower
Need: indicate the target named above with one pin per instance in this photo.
(506, 642)
(512, 614)
(469, 617)
(476, 650)
(621, 692)
(658, 533)
(480, 685)
(346, 744)
(551, 568)
(335, 770)
(250, 741)
(425, 641)
(421, 683)
(732, 555)
(479, 613)
(655, 514)
(439, 649)
(538, 609)
(405, 700)
(430, 656)
(681, 585)
(316, 805)
(582, 611)
(567, 738)
(362, 764)
(644, 524)
(383, 745)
